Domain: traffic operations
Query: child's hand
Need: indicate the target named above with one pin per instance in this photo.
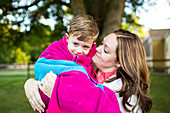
(47, 83)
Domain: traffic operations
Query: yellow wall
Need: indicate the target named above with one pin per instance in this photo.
(167, 50)
(158, 51)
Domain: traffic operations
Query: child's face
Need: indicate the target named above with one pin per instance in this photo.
(77, 47)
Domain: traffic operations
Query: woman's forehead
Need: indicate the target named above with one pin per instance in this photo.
(111, 41)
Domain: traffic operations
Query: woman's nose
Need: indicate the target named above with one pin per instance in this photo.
(98, 49)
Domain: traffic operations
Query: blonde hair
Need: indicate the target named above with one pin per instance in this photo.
(84, 26)
(133, 71)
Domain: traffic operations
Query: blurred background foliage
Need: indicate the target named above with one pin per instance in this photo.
(23, 35)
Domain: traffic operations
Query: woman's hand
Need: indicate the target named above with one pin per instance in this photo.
(47, 83)
(33, 95)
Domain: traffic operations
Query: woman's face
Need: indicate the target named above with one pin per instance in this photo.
(105, 58)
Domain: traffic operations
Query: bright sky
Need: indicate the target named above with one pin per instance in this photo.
(157, 17)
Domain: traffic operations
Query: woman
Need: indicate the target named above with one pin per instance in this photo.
(122, 53)
(131, 81)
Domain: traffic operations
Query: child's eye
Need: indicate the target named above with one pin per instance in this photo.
(75, 44)
(86, 47)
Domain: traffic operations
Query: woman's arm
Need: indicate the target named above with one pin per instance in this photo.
(47, 83)
(33, 95)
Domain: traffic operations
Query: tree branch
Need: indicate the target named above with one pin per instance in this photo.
(25, 7)
(35, 3)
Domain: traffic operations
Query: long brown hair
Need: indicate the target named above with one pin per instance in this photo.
(133, 71)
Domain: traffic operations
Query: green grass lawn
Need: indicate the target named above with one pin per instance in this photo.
(160, 92)
(12, 96)
(16, 72)
(13, 99)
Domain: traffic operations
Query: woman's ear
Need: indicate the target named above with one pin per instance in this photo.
(118, 65)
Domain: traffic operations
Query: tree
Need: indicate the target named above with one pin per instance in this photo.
(20, 56)
(107, 13)
(19, 48)
(23, 32)
(133, 26)
(10, 39)
(37, 40)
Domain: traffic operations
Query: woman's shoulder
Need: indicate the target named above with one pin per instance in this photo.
(116, 85)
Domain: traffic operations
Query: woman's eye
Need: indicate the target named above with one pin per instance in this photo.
(106, 51)
(75, 44)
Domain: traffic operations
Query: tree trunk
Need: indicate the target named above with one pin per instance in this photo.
(107, 13)
(78, 7)
(113, 17)
(97, 8)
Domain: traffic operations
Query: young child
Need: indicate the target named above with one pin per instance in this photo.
(76, 47)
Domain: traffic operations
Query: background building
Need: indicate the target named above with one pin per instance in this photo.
(157, 46)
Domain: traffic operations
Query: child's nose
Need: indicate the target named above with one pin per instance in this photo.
(79, 51)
